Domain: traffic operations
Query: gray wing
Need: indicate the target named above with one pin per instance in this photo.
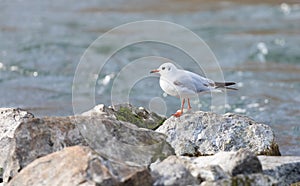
(194, 82)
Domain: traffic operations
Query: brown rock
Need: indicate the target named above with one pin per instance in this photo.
(80, 165)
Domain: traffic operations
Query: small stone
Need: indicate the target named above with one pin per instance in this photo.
(209, 173)
(172, 171)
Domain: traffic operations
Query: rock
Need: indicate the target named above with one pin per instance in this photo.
(10, 119)
(124, 141)
(206, 133)
(222, 165)
(111, 138)
(128, 113)
(80, 165)
(233, 163)
(37, 151)
(36, 137)
(172, 171)
(286, 169)
(209, 173)
(250, 179)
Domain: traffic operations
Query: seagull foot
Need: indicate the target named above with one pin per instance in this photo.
(177, 114)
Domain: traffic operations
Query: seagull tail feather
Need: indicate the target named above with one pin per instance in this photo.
(225, 85)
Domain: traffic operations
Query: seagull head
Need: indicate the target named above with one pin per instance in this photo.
(165, 69)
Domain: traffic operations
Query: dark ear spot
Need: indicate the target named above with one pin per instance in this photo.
(169, 68)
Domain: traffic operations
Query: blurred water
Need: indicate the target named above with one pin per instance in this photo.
(257, 45)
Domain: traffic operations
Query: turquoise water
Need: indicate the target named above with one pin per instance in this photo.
(257, 45)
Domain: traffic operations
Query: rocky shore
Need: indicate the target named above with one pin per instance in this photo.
(125, 145)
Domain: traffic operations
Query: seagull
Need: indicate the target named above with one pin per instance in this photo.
(185, 84)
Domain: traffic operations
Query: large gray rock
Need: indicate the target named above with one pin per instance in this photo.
(10, 119)
(80, 165)
(124, 141)
(111, 138)
(206, 133)
(286, 169)
(138, 116)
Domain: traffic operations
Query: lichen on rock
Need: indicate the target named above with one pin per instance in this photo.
(138, 116)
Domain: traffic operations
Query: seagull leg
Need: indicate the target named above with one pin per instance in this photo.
(179, 112)
(182, 106)
(189, 104)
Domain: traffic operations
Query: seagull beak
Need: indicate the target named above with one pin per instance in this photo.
(154, 71)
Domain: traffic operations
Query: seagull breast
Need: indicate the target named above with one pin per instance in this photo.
(168, 86)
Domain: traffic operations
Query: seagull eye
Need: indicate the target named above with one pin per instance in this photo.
(163, 68)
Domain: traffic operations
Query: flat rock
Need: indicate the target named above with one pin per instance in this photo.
(10, 119)
(232, 163)
(80, 165)
(257, 179)
(286, 169)
(118, 140)
(138, 116)
(206, 133)
(223, 168)
(194, 170)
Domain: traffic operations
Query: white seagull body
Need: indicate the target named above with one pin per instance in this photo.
(185, 84)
